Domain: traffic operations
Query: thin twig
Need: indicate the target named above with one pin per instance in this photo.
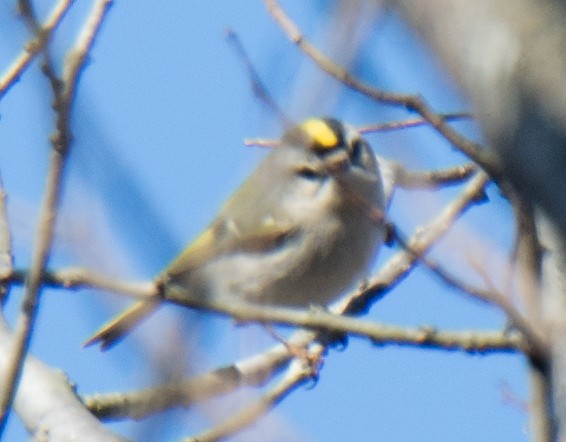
(371, 128)
(256, 370)
(47, 403)
(298, 374)
(6, 258)
(179, 393)
(411, 122)
(538, 345)
(399, 266)
(78, 278)
(432, 179)
(257, 85)
(253, 371)
(34, 46)
(262, 142)
(335, 323)
(474, 151)
(64, 99)
(526, 266)
(527, 256)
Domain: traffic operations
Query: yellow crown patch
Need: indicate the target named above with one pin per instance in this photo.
(321, 133)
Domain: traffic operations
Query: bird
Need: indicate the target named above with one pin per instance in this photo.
(302, 229)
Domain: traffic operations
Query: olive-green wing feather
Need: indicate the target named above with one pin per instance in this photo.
(212, 243)
(200, 251)
(117, 328)
(225, 237)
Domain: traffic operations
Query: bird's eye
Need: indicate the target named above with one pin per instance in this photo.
(309, 173)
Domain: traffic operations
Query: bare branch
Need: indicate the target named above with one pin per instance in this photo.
(257, 85)
(527, 255)
(432, 179)
(297, 374)
(474, 151)
(411, 122)
(64, 99)
(372, 128)
(6, 258)
(77, 278)
(538, 343)
(253, 371)
(261, 142)
(257, 370)
(334, 323)
(47, 403)
(34, 46)
(399, 266)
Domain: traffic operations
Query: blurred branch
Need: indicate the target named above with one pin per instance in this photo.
(298, 373)
(64, 93)
(6, 258)
(257, 370)
(527, 260)
(78, 278)
(399, 266)
(36, 45)
(47, 403)
(509, 58)
(243, 312)
(411, 122)
(431, 179)
(527, 256)
(372, 128)
(538, 344)
(180, 393)
(261, 142)
(257, 85)
(317, 319)
(474, 151)
(253, 371)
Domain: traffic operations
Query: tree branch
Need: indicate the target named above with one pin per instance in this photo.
(411, 122)
(64, 99)
(431, 179)
(47, 403)
(6, 258)
(297, 374)
(399, 266)
(35, 46)
(474, 151)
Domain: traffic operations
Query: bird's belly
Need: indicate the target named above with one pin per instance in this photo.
(312, 274)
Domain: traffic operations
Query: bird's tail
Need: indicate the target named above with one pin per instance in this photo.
(115, 330)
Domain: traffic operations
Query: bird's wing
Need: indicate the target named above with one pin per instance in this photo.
(226, 237)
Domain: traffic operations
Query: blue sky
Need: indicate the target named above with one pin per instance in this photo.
(162, 110)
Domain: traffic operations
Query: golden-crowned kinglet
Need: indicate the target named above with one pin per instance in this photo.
(301, 229)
